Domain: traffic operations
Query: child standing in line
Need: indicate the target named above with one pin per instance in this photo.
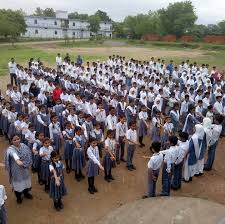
(167, 132)
(57, 186)
(78, 159)
(68, 135)
(169, 159)
(157, 125)
(45, 152)
(143, 125)
(131, 137)
(93, 165)
(110, 156)
(36, 165)
(154, 165)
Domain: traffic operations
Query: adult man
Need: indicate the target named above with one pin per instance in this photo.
(12, 71)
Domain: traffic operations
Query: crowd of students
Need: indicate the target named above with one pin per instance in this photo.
(94, 116)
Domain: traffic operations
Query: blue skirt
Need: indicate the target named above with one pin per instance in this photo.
(107, 162)
(45, 172)
(68, 150)
(92, 169)
(142, 131)
(36, 161)
(78, 159)
(155, 134)
(5, 124)
(56, 142)
(57, 192)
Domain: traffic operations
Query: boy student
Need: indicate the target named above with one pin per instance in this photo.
(131, 137)
(169, 159)
(154, 165)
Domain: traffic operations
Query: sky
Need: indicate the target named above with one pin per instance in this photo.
(208, 11)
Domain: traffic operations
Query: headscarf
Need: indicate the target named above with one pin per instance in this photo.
(207, 125)
(198, 135)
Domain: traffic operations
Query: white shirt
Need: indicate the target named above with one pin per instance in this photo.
(58, 60)
(170, 157)
(54, 129)
(155, 161)
(111, 144)
(121, 130)
(12, 67)
(100, 115)
(218, 107)
(93, 154)
(131, 135)
(217, 129)
(111, 122)
(47, 151)
(3, 196)
(182, 152)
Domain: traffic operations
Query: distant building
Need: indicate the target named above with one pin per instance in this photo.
(61, 26)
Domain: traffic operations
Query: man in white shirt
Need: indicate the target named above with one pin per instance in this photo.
(58, 60)
(12, 71)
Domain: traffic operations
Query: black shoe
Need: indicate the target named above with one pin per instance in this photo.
(95, 189)
(111, 177)
(41, 182)
(143, 145)
(107, 179)
(90, 191)
(123, 160)
(28, 196)
(129, 168)
(68, 170)
(174, 188)
(82, 176)
(78, 179)
(19, 200)
(145, 196)
(133, 167)
(118, 162)
(56, 206)
(207, 169)
(61, 206)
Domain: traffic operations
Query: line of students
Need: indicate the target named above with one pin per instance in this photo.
(73, 108)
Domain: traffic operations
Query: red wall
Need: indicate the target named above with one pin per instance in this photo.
(214, 39)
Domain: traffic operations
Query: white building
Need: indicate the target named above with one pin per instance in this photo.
(61, 26)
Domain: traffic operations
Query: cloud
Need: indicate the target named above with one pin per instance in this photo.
(208, 11)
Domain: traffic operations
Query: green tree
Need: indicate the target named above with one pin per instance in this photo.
(198, 31)
(118, 29)
(12, 24)
(221, 27)
(178, 18)
(102, 15)
(76, 15)
(48, 12)
(94, 23)
(38, 12)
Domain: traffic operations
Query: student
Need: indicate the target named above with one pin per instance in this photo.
(57, 186)
(131, 113)
(157, 127)
(175, 117)
(183, 145)
(193, 153)
(143, 125)
(36, 165)
(209, 113)
(168, 130)
(43, 121)
(45, 152)
(169, 159)
(55, 133)
(131, 138)
(93, 165)
(154, 165)
(68, 135)
(110, 155)
(121, 130)
(88, 126)
(78, 158)
(3, 198)
(216, 131)
(111, 119)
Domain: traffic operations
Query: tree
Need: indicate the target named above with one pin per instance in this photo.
(76, 15)
(12, 23)
(118, 29)
(177, 18)
(48, 12)
(94, 23)
(102, 16)
(221, 27)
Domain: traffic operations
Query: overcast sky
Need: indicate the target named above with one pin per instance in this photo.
(208, 11)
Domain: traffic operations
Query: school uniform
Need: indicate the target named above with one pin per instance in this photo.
(42, 120)
(57, 192)
(154, 165)
(142, 129)
(131, 135)
(155, 135)
(78, 158)
(16, 100)
(168, 130)
(178, 167)
(3, 197)
(88, 127)
(175, 118)
(55, 135)
(170, 156)
(121, 109)
(131, 114)
(68, 144)
(99, 135)
(111, 122)
(58, 109)
(190, 123)
(45, 161)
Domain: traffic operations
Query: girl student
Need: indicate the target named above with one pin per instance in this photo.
(157, 124)
(143, 125)
(36, 164)
(68, 135)
(168, 130)
(78, 158)
(57, 186)
(110, 155)
(93, 165)
(45, 152)
(154, 165)
(55, 132)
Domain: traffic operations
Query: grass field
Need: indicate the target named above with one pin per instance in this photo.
(100, 49)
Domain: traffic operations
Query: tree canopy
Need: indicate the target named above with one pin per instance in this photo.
(48, 12)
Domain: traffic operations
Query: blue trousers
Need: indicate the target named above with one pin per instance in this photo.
(130, 154)
(177, 175)
(166, 181)
(211, 156)
(120, 149)
(152, 183)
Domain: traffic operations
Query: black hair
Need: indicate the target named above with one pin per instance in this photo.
(173, 140)
(156, 146)
(92, 140)
(183, 135)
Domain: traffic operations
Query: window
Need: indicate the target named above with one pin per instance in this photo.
(36, 31)
(55, 23)
(56, 32)
(73, 24)
(35, 21)
(73, 33)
